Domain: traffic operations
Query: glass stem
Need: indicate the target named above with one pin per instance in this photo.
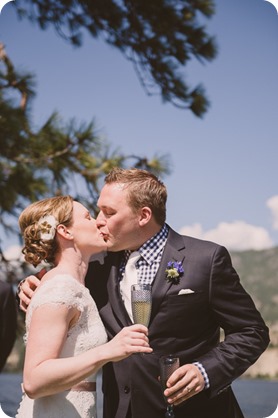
(170, 412)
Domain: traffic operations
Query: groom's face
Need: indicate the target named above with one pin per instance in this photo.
(117, 222)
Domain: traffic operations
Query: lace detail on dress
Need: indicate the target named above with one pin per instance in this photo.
(88, 332)
(61, 289)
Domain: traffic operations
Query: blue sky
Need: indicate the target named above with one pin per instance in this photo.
(223, 185)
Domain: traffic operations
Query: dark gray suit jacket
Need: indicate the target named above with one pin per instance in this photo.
(8, 321)
(186, 325)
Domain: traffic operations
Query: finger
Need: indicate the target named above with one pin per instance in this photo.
(141, 349)
(185, 393)
(138, 334)
(138, 340)
(26, 292)
(183, 387)
(139, 328)
(178, 379)
(22, 304)
(184, 376)
(23, 307)
(180, 396)
(179, 388)
(136, 347)
(129, 333)
(134, 335)
(32, 281)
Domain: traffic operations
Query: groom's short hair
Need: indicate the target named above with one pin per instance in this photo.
(143, 189)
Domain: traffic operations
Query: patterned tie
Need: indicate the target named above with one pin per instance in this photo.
(129, 278)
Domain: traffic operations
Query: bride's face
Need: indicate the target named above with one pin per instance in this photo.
(84, 230)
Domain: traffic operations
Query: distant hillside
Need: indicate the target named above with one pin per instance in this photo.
(258, 271)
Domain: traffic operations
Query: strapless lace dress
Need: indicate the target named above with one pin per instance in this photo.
(87, 333)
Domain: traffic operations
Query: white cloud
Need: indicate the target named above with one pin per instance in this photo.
(237, 235)
(272, 204)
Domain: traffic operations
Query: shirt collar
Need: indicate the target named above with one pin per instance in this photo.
(153, 247)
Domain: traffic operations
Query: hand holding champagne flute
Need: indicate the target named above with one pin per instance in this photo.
(141, 303)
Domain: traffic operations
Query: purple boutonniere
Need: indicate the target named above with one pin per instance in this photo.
(174, 271)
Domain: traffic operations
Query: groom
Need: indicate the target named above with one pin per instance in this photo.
(195, 292)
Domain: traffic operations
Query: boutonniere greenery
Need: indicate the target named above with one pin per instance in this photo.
(174, 272)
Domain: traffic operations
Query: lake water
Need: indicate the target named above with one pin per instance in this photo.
(257, 398)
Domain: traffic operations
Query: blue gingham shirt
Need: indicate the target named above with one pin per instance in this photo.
(151, 253)
(147, 265)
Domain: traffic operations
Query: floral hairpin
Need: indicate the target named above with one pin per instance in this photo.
(47, 225)
(174, 272)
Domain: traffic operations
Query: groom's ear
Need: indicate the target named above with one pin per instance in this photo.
(145, 215)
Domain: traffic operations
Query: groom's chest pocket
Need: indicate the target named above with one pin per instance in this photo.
(185, 310)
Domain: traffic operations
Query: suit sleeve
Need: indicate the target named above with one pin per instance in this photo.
(8, 323)
(246, 334)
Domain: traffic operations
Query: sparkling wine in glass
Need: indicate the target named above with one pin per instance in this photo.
(168, 364)
(141, 303)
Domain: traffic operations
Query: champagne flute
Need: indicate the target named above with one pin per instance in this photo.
(168, 364)
(141, 303)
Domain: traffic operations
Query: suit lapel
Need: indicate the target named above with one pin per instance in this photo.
(172, 252)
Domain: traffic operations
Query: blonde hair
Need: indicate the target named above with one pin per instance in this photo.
(143, 189)
(36, 249)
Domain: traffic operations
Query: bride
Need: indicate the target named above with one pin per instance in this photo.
(66, 342)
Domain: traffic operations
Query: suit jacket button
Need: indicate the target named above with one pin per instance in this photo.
(126, 389)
